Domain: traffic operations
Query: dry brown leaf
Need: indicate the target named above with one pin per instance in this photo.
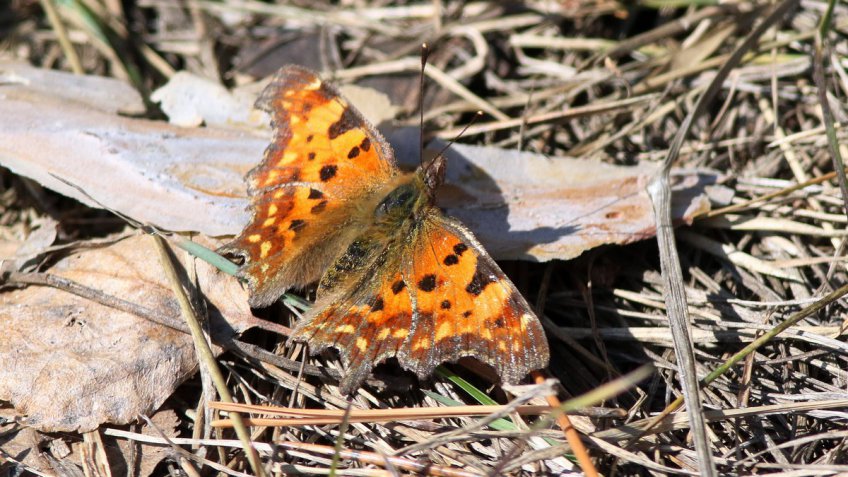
(70, 364)
(521, 205)
(20, 448)
(146, 457)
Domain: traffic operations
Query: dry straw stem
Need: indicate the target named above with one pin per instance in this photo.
(822, 51)
(318, 417)
(309, 450)
(62, 36)
(205, 356)
(570, 432)
(414, 64)
(643, 428)
(750, 203)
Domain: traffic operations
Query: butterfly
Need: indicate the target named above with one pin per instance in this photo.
(396, 277)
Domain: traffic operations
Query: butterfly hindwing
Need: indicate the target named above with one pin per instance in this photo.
(325, 157)
(437, 297)
(364, 309)
(466, 306)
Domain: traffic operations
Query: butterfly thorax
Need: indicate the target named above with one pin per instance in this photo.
(394, 221)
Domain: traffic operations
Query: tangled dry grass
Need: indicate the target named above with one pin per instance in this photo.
(603, 81)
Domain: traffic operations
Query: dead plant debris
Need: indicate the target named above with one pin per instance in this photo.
(93, 338)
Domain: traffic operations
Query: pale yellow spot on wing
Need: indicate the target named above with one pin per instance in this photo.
(263, 267)
(315, 84)
(502, 346)
(279, 193)
(467, 327)
(289, 156)
(264, 249)
(383, 334)
(272, 210)
(294, 120)
(516, 346)
(401, 333)
(336, 108)
(421, 344)
(525, 320)
(254, 238)
(486, 334)
(361, 344)
(345, 329)
(445, 330)
(289, 93)
(269, 221)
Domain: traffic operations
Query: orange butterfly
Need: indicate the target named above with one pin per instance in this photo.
(397, 277)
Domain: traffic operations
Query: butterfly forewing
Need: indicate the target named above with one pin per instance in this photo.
(325, 158)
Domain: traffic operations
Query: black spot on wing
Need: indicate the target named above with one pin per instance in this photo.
(365, 145)
(398, 286)
(311, 156)
(317, 209)
(446, 304)
(328, 172)
(346, 122)
(451, 260)
(459, 248)
(354, 151)
(483, 276)
(315, 194)
(378, 305)
(297, 224)
(427, 283)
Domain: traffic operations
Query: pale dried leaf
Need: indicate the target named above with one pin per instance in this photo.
(23, 82)
(190, 100)
(374, 105)
(521, 205)
(177, 178)
(70, 364)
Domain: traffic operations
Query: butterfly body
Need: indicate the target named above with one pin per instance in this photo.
(397, 278)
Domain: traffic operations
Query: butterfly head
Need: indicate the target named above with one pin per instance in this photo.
(433, 176)
(412, 197)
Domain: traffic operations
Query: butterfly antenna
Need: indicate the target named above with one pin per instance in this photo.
(425, 52)
(477, 116)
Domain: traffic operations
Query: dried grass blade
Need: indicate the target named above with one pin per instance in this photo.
(827, 115)
(660, 193)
